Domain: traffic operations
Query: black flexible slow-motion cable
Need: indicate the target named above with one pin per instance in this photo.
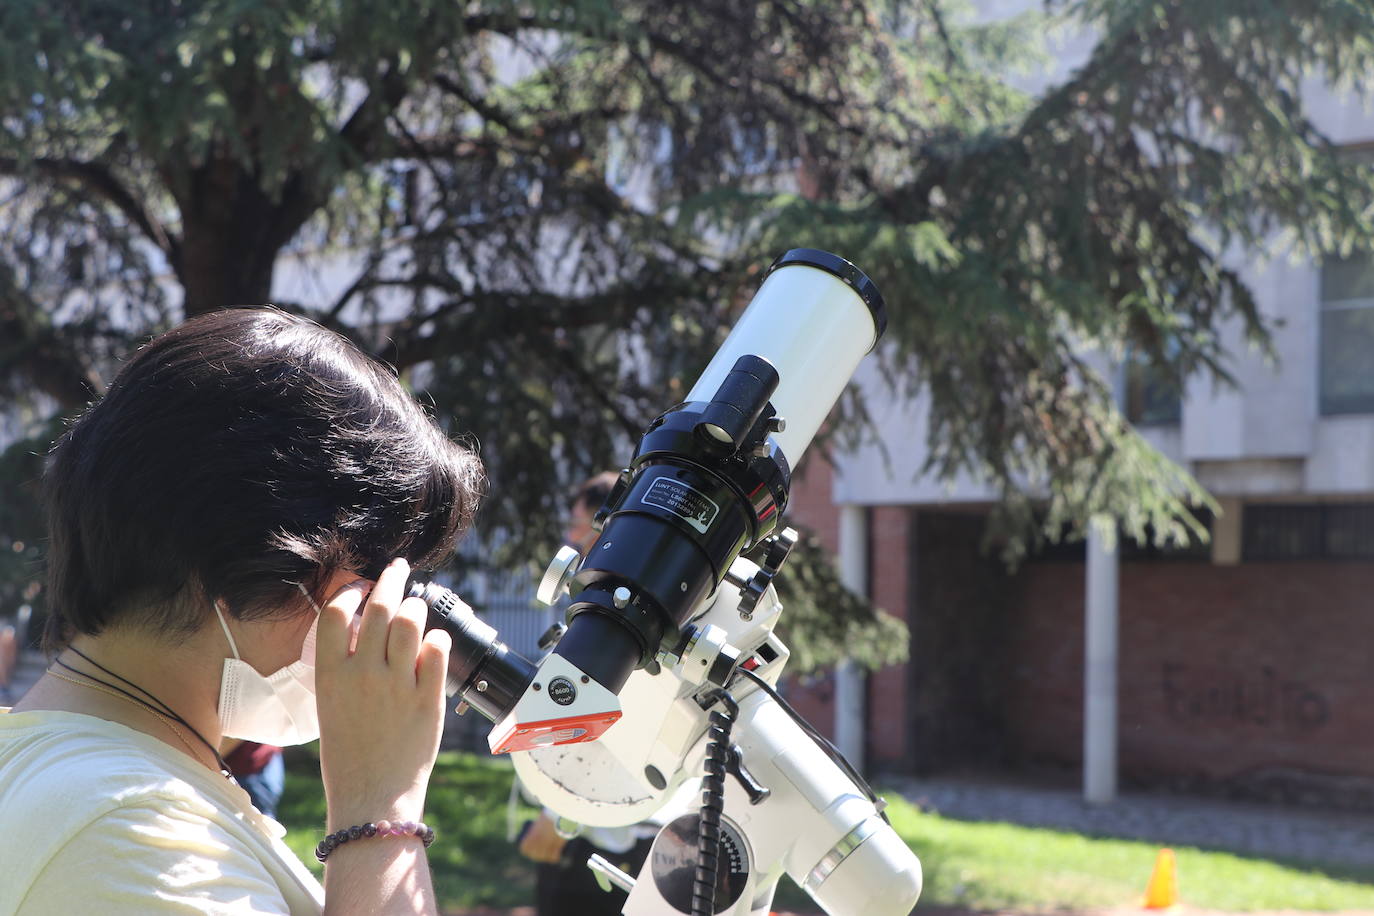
(712, 802)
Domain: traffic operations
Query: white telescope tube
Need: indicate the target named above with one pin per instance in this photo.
(814, 318)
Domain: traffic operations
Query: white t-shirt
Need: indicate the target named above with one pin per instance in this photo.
(96, 818)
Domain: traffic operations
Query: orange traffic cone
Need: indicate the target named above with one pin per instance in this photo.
(1162, 891)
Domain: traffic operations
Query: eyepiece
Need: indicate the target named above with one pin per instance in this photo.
(481, 668)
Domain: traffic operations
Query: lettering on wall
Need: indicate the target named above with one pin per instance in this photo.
(1262, 698)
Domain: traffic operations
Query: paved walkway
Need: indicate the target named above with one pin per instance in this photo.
(1293, 834)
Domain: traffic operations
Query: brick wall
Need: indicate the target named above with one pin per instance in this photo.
(1254, 680)
(889, 694)
(810, 506)
(889, 689)
(1257, 679)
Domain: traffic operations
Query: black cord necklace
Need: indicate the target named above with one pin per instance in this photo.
(160, 708)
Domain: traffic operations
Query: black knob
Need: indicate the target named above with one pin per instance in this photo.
(779, 546)
(752, 592)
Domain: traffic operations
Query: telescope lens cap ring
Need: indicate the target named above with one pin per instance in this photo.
(856, 279)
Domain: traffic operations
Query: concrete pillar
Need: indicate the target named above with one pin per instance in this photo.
(1226, 535)
(850, 681)
(1100, 664)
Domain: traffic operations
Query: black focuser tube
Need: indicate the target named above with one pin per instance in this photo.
(603, 648)
(481, 669)
(706, 483)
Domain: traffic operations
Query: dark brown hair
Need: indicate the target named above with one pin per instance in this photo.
(238, 454)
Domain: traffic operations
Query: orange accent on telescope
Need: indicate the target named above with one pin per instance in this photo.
(526, 736)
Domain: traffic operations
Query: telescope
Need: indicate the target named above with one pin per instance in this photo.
(668, 666)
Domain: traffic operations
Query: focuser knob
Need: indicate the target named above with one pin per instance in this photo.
(778, 547)
(559, 574)
(752, 592)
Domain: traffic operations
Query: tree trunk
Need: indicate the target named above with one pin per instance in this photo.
(217, 272)
(232, 233)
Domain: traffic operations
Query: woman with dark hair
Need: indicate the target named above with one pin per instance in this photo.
(226, 527)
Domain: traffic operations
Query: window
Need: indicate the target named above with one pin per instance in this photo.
(1326, 531)
(1152, 397)
(1347, 335)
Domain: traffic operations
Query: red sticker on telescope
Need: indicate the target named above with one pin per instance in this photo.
(691, 505)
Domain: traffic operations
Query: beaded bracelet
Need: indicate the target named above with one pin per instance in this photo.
(380, 828)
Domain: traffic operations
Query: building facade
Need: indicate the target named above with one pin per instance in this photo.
(1245, 667)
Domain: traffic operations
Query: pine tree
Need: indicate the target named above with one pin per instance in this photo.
(555, 209)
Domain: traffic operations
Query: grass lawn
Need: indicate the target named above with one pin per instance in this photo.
(472, 862)
(984, 865)
(968, 864)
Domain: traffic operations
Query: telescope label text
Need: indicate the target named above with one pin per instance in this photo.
(562, 691)
(694, 507)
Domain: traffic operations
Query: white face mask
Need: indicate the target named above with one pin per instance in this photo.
(275, 709)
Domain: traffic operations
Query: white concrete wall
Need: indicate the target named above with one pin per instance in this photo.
(1262, 437)
(886, 469)
(1273, 411)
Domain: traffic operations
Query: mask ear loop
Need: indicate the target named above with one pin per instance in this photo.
(233, 647)
(308, 646)
(308, 649)
(308, 597)
(227, 635)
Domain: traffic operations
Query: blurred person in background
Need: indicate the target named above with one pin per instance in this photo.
(260, 770)
(9, 659)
